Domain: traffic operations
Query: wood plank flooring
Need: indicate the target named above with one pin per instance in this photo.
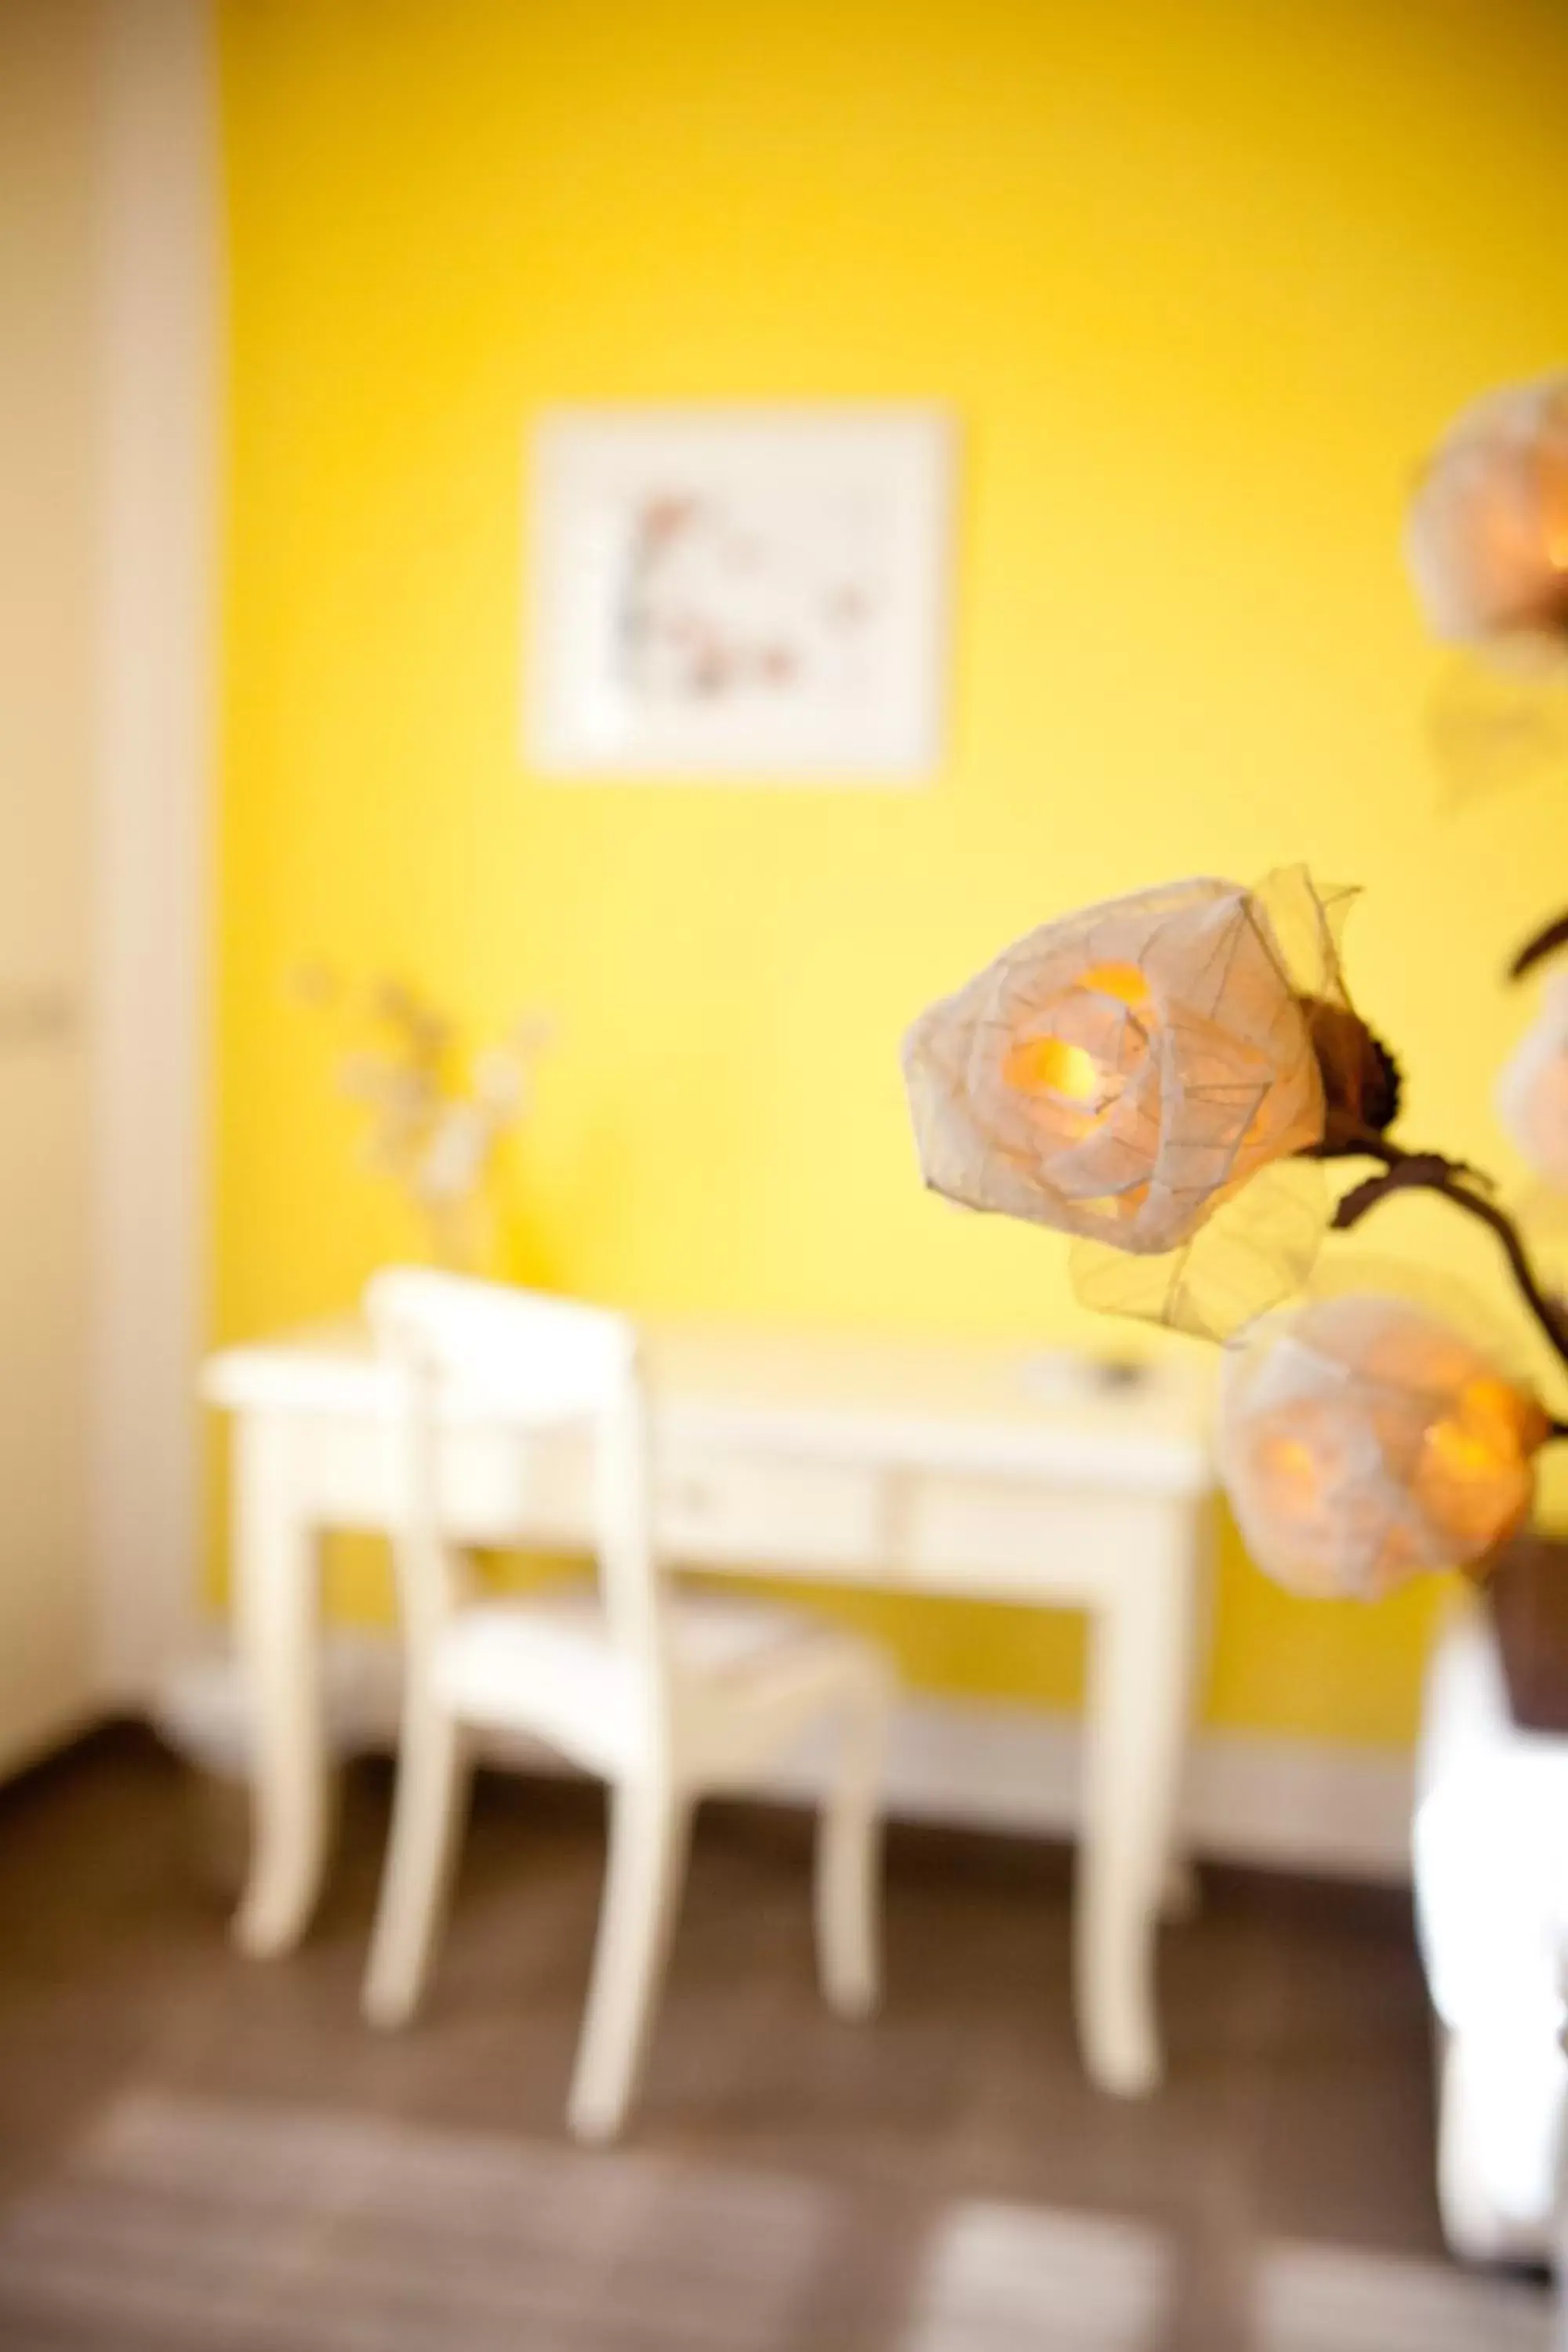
(942, 2180)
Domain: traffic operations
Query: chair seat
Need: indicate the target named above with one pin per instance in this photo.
(548, 1666)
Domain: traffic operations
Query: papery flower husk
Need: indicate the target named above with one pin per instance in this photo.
(1258, 1245)
(1186, 999)
(1483, 533)
(1192, 1201)
(1362, 1441)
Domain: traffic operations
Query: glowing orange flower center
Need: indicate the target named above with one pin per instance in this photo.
(1049, 1065)
(1473, 1477)
(1553, 488)
(1068, 1073)
(1122, 980)
(1293, 1472)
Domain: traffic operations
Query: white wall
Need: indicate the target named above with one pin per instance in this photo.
(108, 365)
(157, 605)
(49, 483)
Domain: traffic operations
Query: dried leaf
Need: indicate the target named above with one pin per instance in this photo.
(1257, 1249)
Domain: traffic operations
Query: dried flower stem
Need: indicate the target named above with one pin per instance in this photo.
(1429, 1171)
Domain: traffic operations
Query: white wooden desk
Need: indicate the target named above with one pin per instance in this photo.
(918, 1467)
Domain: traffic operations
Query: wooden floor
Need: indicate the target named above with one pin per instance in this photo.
(1298, 2112)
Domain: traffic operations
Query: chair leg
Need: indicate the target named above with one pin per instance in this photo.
(649, 1831)
(849, 1863)
(433, 1772)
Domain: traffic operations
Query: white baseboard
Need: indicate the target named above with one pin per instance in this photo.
(1288, 1804)
(1292, 1804)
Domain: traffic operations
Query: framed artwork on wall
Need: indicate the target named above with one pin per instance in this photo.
(739, 594)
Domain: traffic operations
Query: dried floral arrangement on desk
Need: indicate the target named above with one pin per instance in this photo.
(1164, 1077)
(432, 1132)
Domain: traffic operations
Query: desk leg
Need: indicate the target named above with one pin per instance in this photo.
(277, 1606)
(1141, 1679)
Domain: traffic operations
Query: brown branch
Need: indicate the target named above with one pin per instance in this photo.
(1542, 943)
(1429, 1171)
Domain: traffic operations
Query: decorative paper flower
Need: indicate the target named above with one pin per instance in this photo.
(1363, 1442)
(1488, 530)
(1118, 1073)
(1532, 1089)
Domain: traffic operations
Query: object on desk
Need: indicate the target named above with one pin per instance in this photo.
(431, 1134)
(664, 1698)
(1068, 1376)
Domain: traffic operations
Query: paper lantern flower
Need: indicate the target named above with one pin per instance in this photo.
(1363, 1442)
(1127, 1072)
(1532, 1089)
(1486, 535)
(1117, 1073)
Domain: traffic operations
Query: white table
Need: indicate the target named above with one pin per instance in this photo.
(910, 1466)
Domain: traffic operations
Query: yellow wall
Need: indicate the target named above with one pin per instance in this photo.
(1200, 279)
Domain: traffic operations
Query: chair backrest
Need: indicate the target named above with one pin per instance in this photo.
(486, 1351)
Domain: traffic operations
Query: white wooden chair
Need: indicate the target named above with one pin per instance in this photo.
(664, 1696)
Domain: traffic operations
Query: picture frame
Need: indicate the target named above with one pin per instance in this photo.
(734, 593)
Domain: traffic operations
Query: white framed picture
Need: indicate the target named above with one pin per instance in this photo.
(740, 593)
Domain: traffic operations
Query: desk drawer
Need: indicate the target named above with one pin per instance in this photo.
(761, 1511)
(713, 1510)
(1008, 1539)
(497, 1486)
